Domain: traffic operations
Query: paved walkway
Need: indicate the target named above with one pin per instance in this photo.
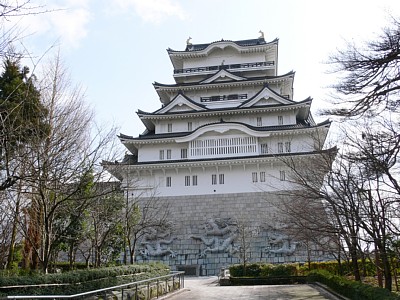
(207, 288)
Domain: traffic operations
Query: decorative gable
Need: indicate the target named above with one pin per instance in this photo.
(266, 97)
(222, 76)
(180, 103)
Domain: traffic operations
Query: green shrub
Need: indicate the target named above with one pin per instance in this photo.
(351, 289)
(264, 270)
(80, 280)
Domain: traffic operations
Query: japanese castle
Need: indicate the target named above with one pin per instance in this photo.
(213, 151)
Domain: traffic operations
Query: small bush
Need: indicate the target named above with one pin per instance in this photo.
(80, 280)
(351, 289)
(264, 270)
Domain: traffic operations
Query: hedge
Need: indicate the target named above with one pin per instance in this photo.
(78, 281)
(264, 270)
(351, 289)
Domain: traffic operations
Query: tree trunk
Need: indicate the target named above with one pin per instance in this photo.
(13, 235)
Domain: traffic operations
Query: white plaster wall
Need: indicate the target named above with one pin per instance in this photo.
(237, 179)
(229, 54)
(268, 119)
(151, 152)
(300, 142)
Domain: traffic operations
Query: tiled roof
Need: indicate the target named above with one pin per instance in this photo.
(166, 162)
(299, 125)
(242, 43)
(177, 85)
(222, 109)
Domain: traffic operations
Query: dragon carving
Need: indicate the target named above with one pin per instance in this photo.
(153, 244)
(218, 237)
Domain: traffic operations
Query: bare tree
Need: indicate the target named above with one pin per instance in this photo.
(59, 162)
(141, 217)
(369, 75)
(106, 233)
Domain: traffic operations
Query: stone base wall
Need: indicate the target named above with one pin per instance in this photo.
(210, 232)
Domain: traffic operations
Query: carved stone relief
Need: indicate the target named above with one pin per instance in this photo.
(218, 237)
(155, 243)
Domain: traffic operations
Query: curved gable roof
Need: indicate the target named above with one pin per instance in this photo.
(206, 48)
(265, 96)
(180, 103)
(222, 75)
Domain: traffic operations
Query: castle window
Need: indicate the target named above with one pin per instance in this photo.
(280, 147)
(187, 180)
(254, 177)
(214, 179)
(264, 148)
(259, 121)
(221, 179)
(282, 175)
(169, 127)
(168, 181)
(190, 126)
(288, 147)
(169, 154)
(161, 154)
(194, 180)
(184, 153)
(262, 176)
(280, 120)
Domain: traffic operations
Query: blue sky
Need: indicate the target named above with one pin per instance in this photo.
(116, 49)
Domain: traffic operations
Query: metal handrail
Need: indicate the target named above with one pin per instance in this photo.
(121, 287)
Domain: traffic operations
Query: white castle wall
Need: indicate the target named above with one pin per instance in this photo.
(237, 179)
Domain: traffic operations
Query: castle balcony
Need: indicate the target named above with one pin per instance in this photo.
(223, 147)
(254, 66)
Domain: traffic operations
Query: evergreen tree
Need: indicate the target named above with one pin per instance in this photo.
(22, 117)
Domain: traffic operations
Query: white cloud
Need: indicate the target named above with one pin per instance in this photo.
(71, 24)
(66, 21)
(152, 11)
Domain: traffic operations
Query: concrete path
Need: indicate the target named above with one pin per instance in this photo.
(207, 288)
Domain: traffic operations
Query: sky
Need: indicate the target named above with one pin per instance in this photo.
(116, 49)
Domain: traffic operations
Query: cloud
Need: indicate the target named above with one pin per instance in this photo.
(70, 24)
(152, 11)
(66, 21)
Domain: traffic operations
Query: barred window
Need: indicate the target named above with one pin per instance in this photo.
(184, 153)
(194, 180)
(259, 121)
(214, 179)
(161, 154)
(169, 127)
(280, 120)
(282, 175)
(288, 147)
(168, 181)
(264, 148)
(254, 177)
(221, 179)
(187, 180)
(169, 154)
(190, 126)
(280, 147)
(262, 176)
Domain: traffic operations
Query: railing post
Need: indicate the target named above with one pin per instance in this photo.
(157, 287)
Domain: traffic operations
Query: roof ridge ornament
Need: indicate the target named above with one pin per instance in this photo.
(262, 34)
